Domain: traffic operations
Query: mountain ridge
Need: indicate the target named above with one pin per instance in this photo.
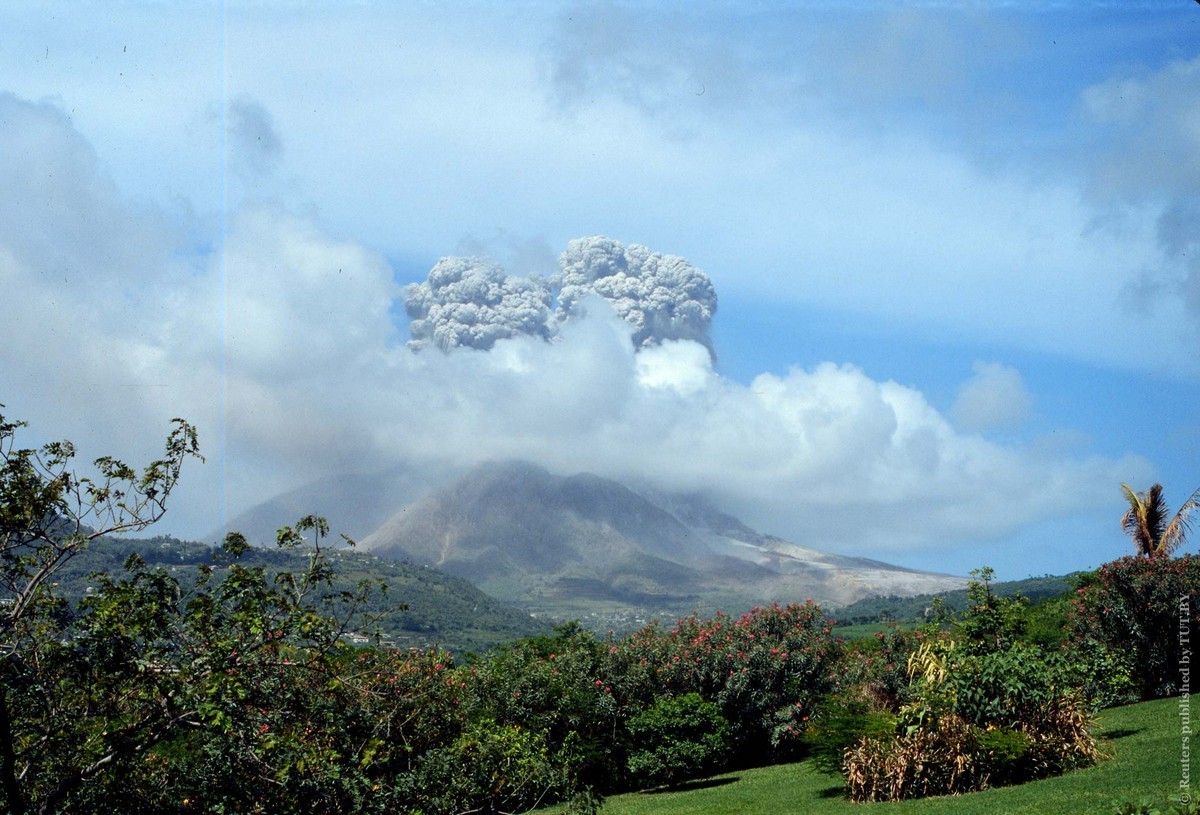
(531, 537)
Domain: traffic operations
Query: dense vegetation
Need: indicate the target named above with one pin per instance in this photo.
(409, 606)
(229, 686)
(920, 607)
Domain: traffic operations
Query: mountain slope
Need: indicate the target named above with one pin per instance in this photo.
(514, 530)
(525, 535)
(353, 503)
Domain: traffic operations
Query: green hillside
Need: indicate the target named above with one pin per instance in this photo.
(908, 609)
(415, 606)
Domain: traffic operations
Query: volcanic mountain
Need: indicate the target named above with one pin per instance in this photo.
(354, 504)
(564, 543)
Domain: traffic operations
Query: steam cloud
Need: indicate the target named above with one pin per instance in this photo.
(472, 302)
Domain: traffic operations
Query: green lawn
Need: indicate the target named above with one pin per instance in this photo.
(1143, 739)
(862, 631)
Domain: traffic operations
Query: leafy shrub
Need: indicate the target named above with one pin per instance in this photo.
(1026, 692)
(490, 768)
(1133, 606)
(1005, 688)
(766, 670)
(1102, 674)
(554, 685)
(677, 739)
(976, 719)
(1007, 751)
(945, 754)
(839, 725)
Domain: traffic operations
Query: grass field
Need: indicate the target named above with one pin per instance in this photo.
(1143, 740)
(862, 631)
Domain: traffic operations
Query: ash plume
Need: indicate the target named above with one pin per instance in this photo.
(473, 302)
(663, 296)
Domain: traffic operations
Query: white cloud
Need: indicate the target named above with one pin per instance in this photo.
(281, 346)
(684, 366)
(297, 301)
(995, 398)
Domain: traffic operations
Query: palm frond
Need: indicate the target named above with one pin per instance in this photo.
(1156, 517)
(1129, 521)
(1135, 521)
(1177, 530)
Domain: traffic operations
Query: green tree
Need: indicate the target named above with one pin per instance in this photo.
(1146, 521)
(234, 692)
(991, 622)
(271, 709)
(48, 514)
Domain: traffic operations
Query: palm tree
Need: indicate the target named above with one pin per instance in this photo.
(1146, 521)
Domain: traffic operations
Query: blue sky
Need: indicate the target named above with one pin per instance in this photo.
(953, 246)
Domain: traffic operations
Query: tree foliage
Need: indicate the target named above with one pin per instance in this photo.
(54, 740)
(1136, 607)
(991, 622)
(104, 696)
(1146, 521)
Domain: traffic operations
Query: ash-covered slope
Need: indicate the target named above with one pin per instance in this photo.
(838, 576)
(354, 504)
(521, 533)
(526, 535)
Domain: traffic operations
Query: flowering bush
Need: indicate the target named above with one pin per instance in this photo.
(1133, 606)
(875, 670)
(765, 671)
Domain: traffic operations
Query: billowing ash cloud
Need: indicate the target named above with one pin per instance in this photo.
(663, 296)
(472, 302)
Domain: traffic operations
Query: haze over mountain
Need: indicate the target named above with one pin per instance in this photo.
(528, 536)
(354, 504)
